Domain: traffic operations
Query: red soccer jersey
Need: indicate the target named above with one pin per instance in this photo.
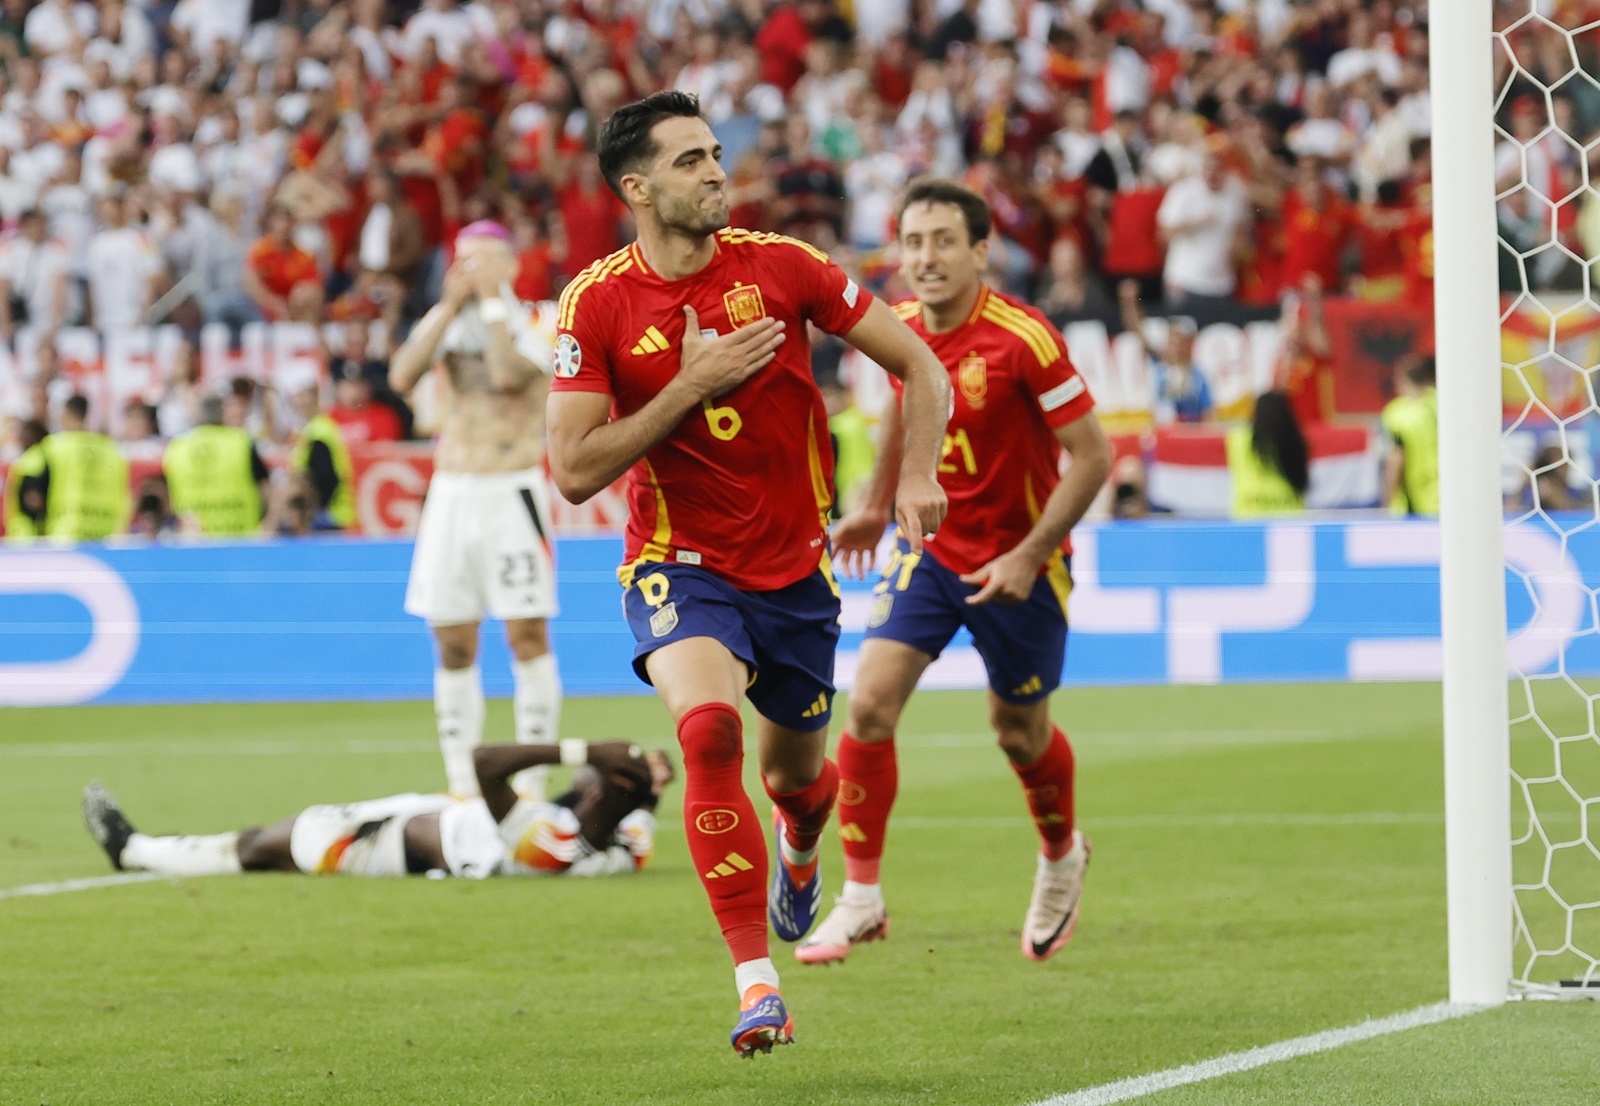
(740, 488)
(1013, 387)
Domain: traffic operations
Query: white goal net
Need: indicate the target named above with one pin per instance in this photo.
(1547, 183)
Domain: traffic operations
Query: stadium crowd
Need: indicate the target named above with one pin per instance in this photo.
(231, 161)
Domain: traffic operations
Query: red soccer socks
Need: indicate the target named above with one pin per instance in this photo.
(868, 777)
(1048, 783)
(805, 814)
(726, 839)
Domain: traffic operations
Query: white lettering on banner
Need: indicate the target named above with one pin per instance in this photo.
(1198, 617)
(1536, 557)
(1098, 610)
(113, 641)
(389, 497)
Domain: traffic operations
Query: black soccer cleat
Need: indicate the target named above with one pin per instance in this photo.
(106, 821)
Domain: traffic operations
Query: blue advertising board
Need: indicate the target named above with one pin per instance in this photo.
(1153, 602)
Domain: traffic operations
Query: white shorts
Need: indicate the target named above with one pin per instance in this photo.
(359, 839)
(470, 840)
(483, 546)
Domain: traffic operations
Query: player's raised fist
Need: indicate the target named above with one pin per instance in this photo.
(919, 508)
(714, 365)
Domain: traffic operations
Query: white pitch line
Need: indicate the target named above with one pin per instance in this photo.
(1141, 1085)
(34, 889)
(1160, 821)
(98, 749)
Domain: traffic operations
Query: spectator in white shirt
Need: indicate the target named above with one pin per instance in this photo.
(56, 24)
(449, 27)
(70, 210)
(1322, 134)
(1364, 55)
(124, 268)
(33, 280)
(16, 194)
(196, 25)
(1201, 219)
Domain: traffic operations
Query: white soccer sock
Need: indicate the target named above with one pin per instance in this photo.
(216, 855)
(752, 972)
(1056, 867)
(536, 707)
(795, 857)
(458, 704)
(862, 892)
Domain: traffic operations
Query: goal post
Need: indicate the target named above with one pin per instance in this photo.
(1477, 743)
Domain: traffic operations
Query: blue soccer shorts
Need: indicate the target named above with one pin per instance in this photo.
(786, 637)
(921, 603)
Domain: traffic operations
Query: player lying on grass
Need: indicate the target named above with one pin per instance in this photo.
(602, 825)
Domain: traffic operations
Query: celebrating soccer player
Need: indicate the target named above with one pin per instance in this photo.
(999, 565)
(483, 540)
(682, 361)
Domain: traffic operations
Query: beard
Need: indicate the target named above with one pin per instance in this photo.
(688, 216)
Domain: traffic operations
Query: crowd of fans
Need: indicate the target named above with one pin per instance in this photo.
(198, 161)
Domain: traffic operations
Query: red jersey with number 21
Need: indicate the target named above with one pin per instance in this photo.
(1013, 386)
(740, 488)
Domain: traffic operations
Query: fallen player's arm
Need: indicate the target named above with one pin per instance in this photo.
(496, 764)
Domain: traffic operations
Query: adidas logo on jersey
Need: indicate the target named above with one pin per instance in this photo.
(730, 865)
(818, 708)
(652, 342)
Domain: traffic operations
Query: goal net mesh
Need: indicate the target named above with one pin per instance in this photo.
(1547, 167)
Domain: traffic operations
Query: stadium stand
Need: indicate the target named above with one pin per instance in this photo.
(199, 190)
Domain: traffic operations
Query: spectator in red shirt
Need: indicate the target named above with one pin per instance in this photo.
(276, 268)
(359, 417)
(783, 39)
(535, 261)
(1305, 363)
(1317, 228)
(592, 216)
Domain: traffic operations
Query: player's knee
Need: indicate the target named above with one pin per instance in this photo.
(256, 853)
(1022, 734)
(711, 736)
(528, 638)
(873, 715)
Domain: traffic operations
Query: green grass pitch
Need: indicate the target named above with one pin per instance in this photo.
(1268, 862)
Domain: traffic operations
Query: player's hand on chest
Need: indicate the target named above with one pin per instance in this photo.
(716, 343)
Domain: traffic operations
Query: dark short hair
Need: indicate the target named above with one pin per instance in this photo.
(1422, 373)
(625, 142)
(77, 406)
(973, 207)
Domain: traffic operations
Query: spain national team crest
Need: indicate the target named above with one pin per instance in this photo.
(744, 304)
(973, 376)
(665, 620)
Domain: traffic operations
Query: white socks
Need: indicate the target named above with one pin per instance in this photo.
(536, 707)
(752, 972)
(216, 855)
(862, 892)
(458, 704)
(793, 856)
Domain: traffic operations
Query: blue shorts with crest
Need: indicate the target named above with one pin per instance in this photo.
(786, 637)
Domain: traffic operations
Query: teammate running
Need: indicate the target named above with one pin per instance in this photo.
(682, 361)
(602, 826)
(999, 565)
(483, 540)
